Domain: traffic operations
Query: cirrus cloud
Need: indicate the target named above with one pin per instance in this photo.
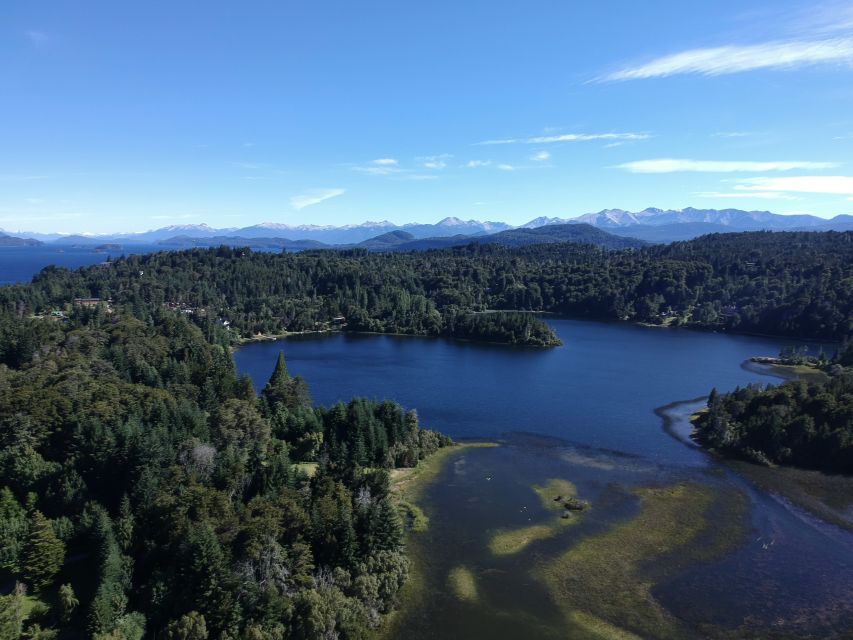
(315, 196)
(833, 185)
(569, 137)
(715, 61)
(676, 165)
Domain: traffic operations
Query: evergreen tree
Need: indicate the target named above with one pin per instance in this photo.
(276, 388)
(68, 602)
(12, 613)
(124, 525)
(43, 554)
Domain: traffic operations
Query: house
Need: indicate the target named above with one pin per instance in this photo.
(87, 302)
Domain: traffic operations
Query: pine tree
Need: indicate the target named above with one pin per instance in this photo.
(43, 554)
(277, 387)
(279, 374)
(245, 388)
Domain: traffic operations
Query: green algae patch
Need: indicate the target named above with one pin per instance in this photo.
(463, 584)
(552, 490)
(510, 541)
(605, 577)
(414, 518)
(596, 628)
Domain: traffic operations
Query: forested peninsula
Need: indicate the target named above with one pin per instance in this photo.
(785, 284)
(806, 424)
(145, 489)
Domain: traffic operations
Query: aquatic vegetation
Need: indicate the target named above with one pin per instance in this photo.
(509, 541)
(553, 491)
(597, 628)
(607, 577)
(414, 518)
(408, 483)
(463, 584)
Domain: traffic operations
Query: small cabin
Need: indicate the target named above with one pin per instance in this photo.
(339, 321)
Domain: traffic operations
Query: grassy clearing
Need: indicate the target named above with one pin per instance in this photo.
(602, 578)
(463, 584)
(308, 468)
(799, 372)
(509, 541)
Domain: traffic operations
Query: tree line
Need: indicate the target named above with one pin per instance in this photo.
(786, 284)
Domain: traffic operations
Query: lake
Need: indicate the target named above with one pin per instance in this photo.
(745, 561)
(20, 264)
(600, 389)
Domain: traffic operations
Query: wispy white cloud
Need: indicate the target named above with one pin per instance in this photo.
(569, 137)
(15, 177)
(674, 165)
(763, 195)
(541, 156)
(434, 162)
(37, 38)
(833, 185)
(417, 177)
(380, 167)
(474, 164)
(315, 196)
(732, 134)
(506, 167)
(715, 61)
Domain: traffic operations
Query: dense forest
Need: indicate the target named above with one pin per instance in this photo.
(805, 424)
(145, 489)
(788, 284)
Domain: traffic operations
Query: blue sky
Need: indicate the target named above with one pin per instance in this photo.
(130, 116)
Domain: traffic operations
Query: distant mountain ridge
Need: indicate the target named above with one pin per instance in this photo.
(651, 225)
(13, 241)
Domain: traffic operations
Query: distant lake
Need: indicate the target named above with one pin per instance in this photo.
(20, 264)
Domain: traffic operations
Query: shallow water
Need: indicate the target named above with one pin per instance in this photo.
(583, 412)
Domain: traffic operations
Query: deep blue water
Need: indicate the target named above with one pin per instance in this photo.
(20, 264)
(599, 389)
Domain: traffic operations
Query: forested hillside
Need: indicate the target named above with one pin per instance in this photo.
(789, 284)
(145, 489)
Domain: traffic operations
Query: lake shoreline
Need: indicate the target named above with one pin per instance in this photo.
(828, 497)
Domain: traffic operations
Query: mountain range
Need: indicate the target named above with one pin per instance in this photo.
(650, 225)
